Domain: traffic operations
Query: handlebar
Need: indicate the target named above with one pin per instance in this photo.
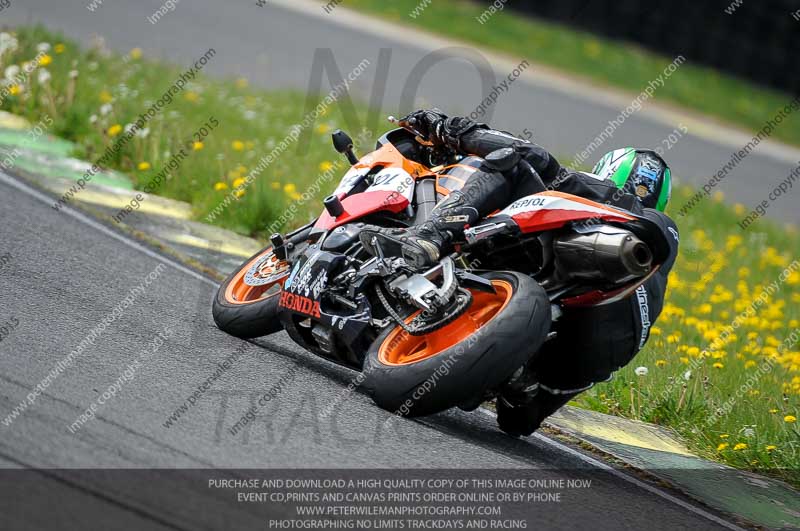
(408, 125)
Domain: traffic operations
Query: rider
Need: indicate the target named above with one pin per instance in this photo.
(590, 343)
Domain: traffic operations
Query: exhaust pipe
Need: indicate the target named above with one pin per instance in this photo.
(614, 256)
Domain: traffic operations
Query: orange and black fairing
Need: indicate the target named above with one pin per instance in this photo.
(387, 195)
(453, 178)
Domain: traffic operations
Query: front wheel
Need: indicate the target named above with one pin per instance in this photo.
(246, 304)
(459, 363)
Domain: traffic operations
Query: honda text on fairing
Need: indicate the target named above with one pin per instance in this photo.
(458, 333)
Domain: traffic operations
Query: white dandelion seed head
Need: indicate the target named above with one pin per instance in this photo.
(8, 43)
(641, 371)
(105, 109)
(43, 47)
(11, 72)
(43, 76)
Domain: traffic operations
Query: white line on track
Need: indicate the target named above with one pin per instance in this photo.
(66, 209)
(667, 115)
(44, 198)
(630, 479)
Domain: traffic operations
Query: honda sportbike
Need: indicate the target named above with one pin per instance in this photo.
(460, 332)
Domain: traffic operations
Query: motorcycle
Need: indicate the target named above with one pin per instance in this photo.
(458, 333)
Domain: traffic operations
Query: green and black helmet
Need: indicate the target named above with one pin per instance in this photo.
(641, 172)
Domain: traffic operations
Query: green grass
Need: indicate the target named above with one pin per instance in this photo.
(599, 59)
(720, 270)
(260, 119)
(251, 123)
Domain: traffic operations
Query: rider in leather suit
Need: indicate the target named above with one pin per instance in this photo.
(590, 343)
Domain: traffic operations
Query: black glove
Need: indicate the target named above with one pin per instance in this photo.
(435, 127)
(426, 123)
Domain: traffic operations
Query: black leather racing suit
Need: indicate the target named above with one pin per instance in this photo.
(590, 343)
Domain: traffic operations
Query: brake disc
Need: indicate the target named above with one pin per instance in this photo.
(267, 270)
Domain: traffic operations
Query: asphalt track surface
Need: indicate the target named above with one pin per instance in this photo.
(67, 274)
(274, 47)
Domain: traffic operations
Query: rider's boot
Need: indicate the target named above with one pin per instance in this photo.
(422, 246)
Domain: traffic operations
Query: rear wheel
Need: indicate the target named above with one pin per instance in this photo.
(459, 363)
(246, 304)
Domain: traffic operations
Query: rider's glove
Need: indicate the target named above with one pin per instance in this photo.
(435, 127)
(427, 123)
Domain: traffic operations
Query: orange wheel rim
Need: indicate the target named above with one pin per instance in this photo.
(263, 277)
(401, 348)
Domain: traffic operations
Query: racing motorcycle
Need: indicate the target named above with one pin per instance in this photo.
(456, 334)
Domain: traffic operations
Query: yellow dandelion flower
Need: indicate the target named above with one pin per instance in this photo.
(289, 188)
(592, 48)
(197, 146)
(773, 411)
(749, 364)
(718, 365)
(143, 166)
(693, 352)
(294, 196)
(14, 90)
(739, 446)
(723, 435)
(242, 83)
(794, 323)
(740, 209)
(238, 182)
(275, 185)
(220, 186)
(754, 392)
(238, 193)
(45, 60)
(322, 129)
(661, 363)
(59, 48)
(790, 419)
(136, 53)
(114, 130)
(673, 338)
(326, 165)
(237, 145)
(722, 446)
(191, 96)
(684, 360)
(105, 96)
(719, 195)
(770, 448)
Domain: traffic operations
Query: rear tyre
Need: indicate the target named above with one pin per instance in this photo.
(458, 364)
(246, 304)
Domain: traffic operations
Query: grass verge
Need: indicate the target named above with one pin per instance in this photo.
(693, 366)
(598, 59)
(203, 142)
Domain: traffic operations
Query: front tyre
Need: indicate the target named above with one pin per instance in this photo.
(246, 304)
(459, 363)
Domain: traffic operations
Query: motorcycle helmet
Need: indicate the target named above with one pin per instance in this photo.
(640, 172)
